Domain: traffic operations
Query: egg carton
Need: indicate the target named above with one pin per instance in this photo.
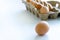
(49, 15)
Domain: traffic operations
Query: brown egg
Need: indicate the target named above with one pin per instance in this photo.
(50, 7)
(38, 6)
(44, 10)
(42, 28)
(28, 0)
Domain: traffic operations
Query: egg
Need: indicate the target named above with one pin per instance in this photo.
(44, 10)
(28, 0)
(37, 5)
(42, 28)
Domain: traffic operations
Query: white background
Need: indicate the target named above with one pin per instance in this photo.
(16, 23)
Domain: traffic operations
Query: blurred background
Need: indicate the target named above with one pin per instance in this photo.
(16, 23)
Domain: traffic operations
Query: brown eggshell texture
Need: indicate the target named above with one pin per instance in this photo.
(28, 0)
(38, 6)
(44, 10)
(42, 28)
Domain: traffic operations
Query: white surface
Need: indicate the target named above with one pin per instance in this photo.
(16, 23)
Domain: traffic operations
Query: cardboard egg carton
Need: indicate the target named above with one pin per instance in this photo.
(50, 15)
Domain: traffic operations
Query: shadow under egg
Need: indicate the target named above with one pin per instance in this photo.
(44, 37)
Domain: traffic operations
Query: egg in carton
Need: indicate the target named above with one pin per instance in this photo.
(32, 7)
(52, 14)
(56, 10)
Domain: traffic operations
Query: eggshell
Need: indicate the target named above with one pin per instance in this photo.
(44, 10)
(37, 5)
(42, 28)
(28, 0)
